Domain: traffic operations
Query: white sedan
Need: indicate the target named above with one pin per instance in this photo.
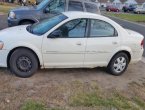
(70, 40)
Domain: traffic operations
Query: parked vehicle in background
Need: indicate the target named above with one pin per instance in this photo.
(70, 40)
(140, 10)
(112, 8)
(129, 8)
(49, 8)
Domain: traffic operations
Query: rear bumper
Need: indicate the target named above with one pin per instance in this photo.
(12, 22)
(137, 56)
(3, 58)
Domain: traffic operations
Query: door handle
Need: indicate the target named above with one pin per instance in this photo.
(79, 43)
(115, 43)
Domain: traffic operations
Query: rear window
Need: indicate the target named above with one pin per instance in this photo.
(75, 6)
(91, 7)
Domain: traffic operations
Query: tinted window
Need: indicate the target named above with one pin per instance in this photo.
(91, 7)
(102, 29)
(73, 29)
(56, 6)
(75, 6)
(45, 25)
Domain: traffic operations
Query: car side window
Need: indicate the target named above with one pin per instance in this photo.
(73, 29)
(102, 29)
(91, 7)
(75, 6)
(56, 6)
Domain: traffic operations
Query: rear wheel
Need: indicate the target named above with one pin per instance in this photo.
(23, 63)
(118, 64)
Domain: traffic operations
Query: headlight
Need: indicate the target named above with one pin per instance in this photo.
(12, 15)
(1, 45)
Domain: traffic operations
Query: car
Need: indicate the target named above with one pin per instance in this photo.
(48, 8)
(70, 40)
(140, 10)
(112, 8)
(129, 8)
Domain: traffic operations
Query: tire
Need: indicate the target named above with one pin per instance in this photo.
(118, 64)
(23, 63)
(26, 23)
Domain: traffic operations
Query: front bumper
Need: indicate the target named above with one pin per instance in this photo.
(3, 58)
(12, 22)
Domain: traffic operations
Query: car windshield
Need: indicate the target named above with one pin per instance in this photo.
(45, 25)
(42, 4)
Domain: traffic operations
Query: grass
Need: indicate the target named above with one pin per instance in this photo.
(33, 105)
(93, 100)
(127, 16)
(113, 101)
(6, 8)
(139, 102)
(91, 97)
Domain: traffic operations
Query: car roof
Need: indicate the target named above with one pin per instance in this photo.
(79, 14)
(85, 1)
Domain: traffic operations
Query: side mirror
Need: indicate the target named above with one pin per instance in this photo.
(55, 34)
(46, 10)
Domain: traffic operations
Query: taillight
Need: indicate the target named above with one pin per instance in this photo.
(142, 42)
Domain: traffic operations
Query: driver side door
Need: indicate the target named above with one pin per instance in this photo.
(65, 46)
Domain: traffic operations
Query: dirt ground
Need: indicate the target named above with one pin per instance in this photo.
(54, 86)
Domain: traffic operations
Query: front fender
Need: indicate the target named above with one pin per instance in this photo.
(30, 46)
(28, 18)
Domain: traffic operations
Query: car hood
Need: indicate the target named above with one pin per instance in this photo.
(19, 36)
(24, 8)
(17, 32)
(139, 8)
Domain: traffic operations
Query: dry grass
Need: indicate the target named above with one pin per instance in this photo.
(73, 89)
(6, 8)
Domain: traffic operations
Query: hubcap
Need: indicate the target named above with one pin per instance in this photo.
(119, 64)
(24, 64)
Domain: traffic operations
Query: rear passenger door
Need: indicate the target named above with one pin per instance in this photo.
(75, 6)
(102, 41)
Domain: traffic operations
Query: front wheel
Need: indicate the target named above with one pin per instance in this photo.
(23, 63)
(118, 64)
